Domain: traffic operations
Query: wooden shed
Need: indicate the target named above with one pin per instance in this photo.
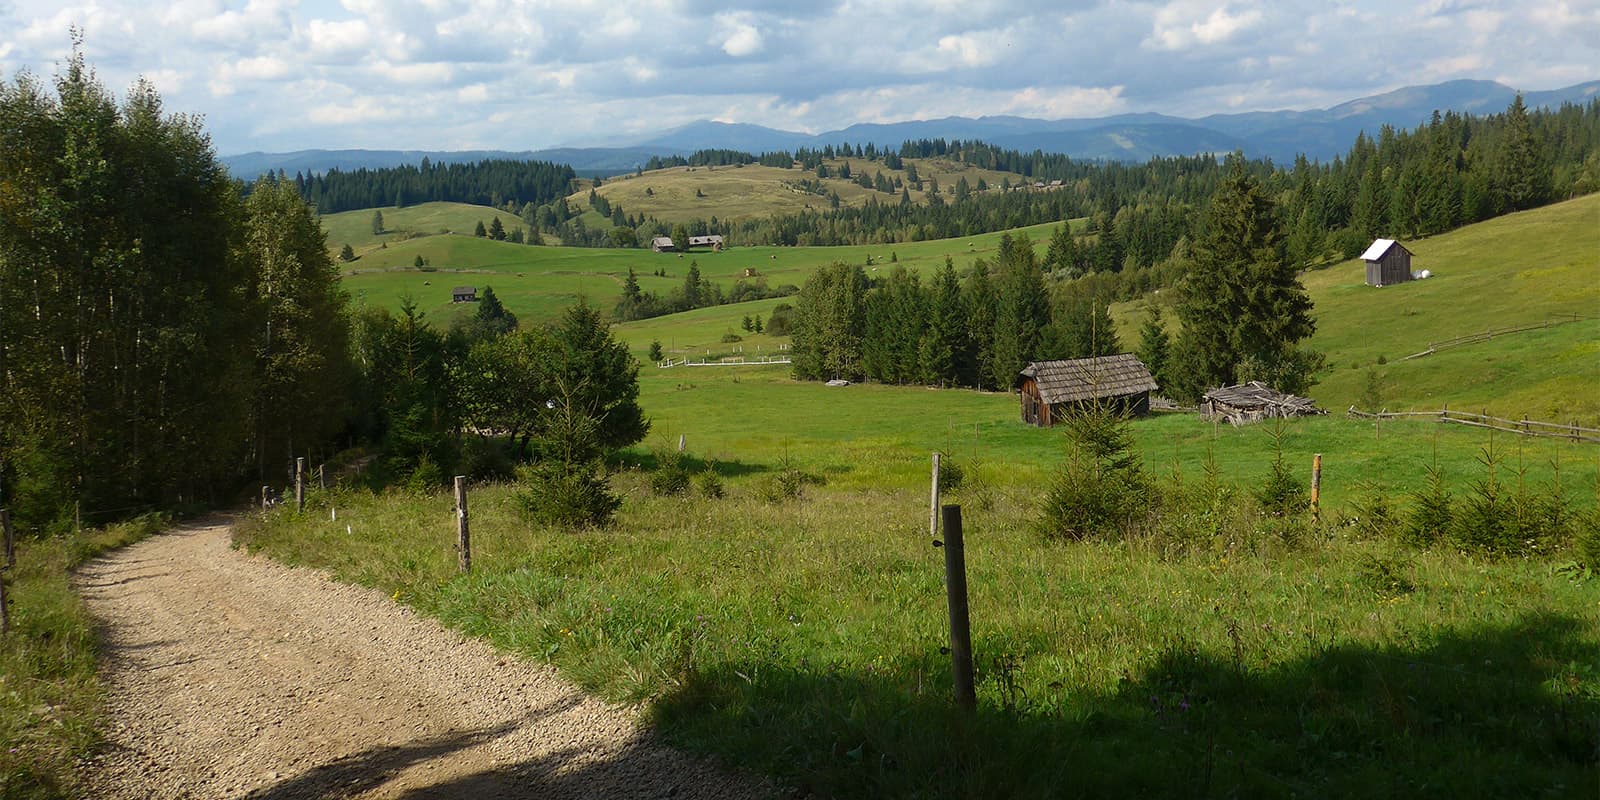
(1388, 261)
(1252, 402)
(663, 244)
(464, 294)
(1051, 388)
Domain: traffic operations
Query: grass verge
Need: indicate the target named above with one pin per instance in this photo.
(49, 694)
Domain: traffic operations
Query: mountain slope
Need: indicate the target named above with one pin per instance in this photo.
(1320, 134)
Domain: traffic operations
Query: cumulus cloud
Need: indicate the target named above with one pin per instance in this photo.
(739, 35)
(530, 73)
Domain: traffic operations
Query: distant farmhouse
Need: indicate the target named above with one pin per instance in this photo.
(1051, 389)
(1388, 262)
(664, 244)
(464, 294)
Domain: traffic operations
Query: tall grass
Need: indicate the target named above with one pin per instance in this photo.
(49, 696)
(801, 637)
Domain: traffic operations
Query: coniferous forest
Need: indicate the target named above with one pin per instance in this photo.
(168, 339)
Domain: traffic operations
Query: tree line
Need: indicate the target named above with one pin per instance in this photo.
(1244, 313)
(491, 182)
(167, 337)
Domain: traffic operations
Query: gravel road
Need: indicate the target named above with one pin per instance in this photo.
(231, 676)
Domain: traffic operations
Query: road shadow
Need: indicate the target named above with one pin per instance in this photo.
(1507, 711)
(639, 769)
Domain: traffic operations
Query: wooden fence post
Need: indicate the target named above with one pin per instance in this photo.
(683, 442)
(265, 494)
(463, 536)
(955, 584)
(933, 509)
(1316, 487)
(10, 538)
(322, 477)
(299, 484)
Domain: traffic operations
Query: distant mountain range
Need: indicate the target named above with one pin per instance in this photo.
(1279, 135)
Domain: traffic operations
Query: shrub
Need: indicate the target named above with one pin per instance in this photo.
(671, 475)
(1372, 515)
(709, 483)
(425, 477)
(788, 482)
(1282, 493)
(568, 496)
(1101, 487)
(1431, 513)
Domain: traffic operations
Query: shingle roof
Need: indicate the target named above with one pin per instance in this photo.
(1378, 248)
(1086, 378)
(464, 290)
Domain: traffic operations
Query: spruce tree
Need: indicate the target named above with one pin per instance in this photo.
(1243, 308)
(1155, 346)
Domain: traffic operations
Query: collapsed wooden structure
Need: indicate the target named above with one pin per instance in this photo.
(1050, 389)
(1250, 402)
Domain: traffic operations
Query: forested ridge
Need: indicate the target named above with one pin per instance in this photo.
(493, 182)
(1454, 170)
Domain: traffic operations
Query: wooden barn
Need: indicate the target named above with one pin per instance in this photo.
(663, 244)
(1050, 389)
(714, 241)
(464, 294)
(1388, 261)
(1253, 402)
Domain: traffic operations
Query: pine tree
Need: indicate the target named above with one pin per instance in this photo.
(479, 231)
(347, 254)
(497, 231)
(1155, 347)
(1062, 255)
(377, 223)
(943, 349)
(1521, 175)
(1243, 309)
(1022, 309)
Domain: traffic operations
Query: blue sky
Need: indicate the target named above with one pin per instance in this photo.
(277, 75)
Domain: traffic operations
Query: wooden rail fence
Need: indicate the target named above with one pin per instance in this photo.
(1484, 336)
(1524, 427)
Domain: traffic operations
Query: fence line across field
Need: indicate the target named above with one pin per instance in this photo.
(1524, 426)
(728, 361)
(1484, 336)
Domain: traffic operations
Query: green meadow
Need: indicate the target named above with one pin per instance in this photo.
(1229, 653)
(536, 282)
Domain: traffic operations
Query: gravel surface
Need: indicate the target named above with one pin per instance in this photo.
(231, 676)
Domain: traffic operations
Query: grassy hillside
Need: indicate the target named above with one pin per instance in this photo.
(399, 224)
(1261, 657)
(536, 282)
(752, 190)
(1522, 268)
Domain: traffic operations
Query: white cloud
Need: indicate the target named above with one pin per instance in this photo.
(550, 71)
(968, 50)
(1185, 24)
(738, 34)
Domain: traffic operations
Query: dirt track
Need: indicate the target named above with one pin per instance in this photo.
(230, 676)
